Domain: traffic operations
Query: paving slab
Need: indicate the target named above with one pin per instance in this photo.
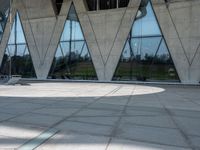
(20, 130)
(23, 105)
(145, 100)
(156, 121)
(148, 109)
(87, 128)
(97, 112)
(10, 143)
(157, 135)
(69, 104)
(37, 119)
(15, 111)
(121, 100)
(73, 141)
(4, 116)
(102, 106)
(120, 144)
(145, 111)
(185, 113)
(190, 126)
(195, 141)
(3, 104)
(182, 105)
(100, 116)
(97, 120)
(62, 112)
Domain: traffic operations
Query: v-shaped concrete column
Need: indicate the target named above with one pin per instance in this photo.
(106, 32)
(6, 34)
(180, 24)
(42, 30)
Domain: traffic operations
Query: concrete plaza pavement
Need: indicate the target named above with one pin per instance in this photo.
(99, 116)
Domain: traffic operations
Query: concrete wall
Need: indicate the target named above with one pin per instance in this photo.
(106, 32)
(180, 24)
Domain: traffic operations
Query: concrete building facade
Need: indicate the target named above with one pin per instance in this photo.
(106, 32)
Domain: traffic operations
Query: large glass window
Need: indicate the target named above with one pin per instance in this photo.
(72, 59)
(106, 4)
(17, 59)
(145, 56)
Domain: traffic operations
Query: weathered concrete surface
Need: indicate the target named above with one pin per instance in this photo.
(179, 23)
(106, 32)
(99, 116)
(43, 31)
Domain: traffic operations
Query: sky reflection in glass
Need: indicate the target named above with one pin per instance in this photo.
(145, 56)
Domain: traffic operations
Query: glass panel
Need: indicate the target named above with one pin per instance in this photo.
(19, 31)
(1, 29)
(59, 52)
(123, 71)
(21, 50)
(11, 49)
(147, 25)
(65, 47)
(12, 34)
(66, 32)
(76, 31)
(162, 67)
(72, 59)
(144, 50)
(145, 56)
(16, 56)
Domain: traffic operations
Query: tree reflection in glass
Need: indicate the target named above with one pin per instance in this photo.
(17, 57)
(145, 56)
(72, 59)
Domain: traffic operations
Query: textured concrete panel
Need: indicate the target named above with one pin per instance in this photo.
(42, 31)
(106, 25)
(91, 40)
(106, 32)
(38, 8)
(173, 41)
(6, 34)
(120, 39)
(185, 16)
(180, 25)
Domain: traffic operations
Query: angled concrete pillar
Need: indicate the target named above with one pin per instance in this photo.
(91, 40)
(106, 32)
(121, 37)
(177, 23)
(6, 34)
(42, 30)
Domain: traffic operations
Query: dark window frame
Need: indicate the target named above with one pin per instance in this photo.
(95, 5)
